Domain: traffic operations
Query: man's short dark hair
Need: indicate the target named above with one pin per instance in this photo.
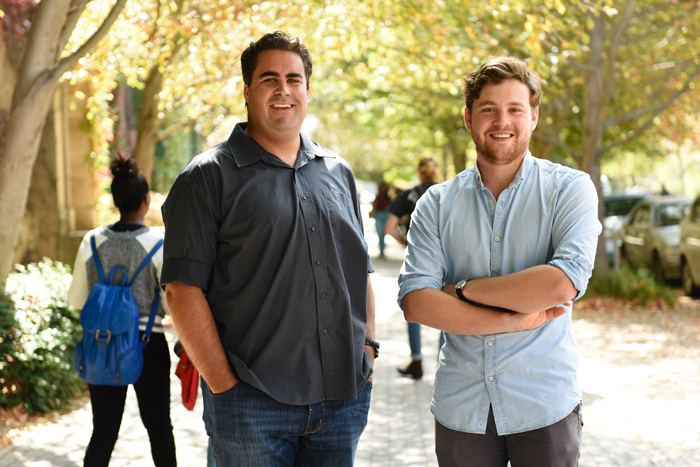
(276, 40)
(497, 70)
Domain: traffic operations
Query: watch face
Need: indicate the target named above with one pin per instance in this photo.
(460, 284)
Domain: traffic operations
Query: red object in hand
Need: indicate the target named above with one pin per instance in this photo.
(189, 377)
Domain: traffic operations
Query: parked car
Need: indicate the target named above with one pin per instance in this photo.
(652, 235)
(617, 208)
(690, 250)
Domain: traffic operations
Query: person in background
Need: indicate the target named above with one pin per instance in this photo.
(267, 278)
(495, 258)
(381, 214)
(127, 242)
(398, 226)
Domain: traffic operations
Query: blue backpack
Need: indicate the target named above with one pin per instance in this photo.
(111, 352)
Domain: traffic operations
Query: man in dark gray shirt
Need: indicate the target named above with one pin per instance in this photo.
(266, 276)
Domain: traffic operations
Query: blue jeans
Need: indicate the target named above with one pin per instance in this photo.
(380, 218)
(415, 343)
(248, 427)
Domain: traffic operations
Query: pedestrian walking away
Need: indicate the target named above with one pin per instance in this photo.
(398, 226)
(495, 257)
(380, 214)
(126, 243)
(266, 272)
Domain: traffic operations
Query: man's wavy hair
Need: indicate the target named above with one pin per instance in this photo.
(497, 70)
(275, 40)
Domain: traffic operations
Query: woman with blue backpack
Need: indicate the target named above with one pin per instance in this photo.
(123, 340)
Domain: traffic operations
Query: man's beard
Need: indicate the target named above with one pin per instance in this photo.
(496, 156)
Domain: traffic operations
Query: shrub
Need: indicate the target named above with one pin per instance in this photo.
(38, 335)
(635, 286)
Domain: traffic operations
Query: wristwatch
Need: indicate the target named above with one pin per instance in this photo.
(458, 288)
(374, 344)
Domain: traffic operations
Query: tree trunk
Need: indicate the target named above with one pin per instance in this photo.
(594, 101)
(148, 123)
(40, 225)
(39, 73)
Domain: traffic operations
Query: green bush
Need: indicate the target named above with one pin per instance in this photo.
(630, 285)
(38, 334)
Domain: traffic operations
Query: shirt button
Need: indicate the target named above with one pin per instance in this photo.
(491, 205)
(497, 238)
(313, 228)
(489, 343)
(325, 331)
(490, 378)
(323, 295)
(495, 275)
(304, 197)
(318, 261)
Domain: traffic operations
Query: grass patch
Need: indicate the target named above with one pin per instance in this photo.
(633, 285)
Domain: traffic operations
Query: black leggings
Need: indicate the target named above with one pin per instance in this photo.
(153, 394)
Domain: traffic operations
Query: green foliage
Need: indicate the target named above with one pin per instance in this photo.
(630, 285)
(38, 335)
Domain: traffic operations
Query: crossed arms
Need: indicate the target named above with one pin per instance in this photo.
(536, 293)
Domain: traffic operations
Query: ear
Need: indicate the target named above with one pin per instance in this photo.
(467, 119)
(308, 93)
(245, 92)
(535, 118)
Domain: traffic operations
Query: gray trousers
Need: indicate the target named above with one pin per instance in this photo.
(557, 445)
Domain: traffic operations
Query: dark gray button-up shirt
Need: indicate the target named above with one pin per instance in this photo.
(280, 255)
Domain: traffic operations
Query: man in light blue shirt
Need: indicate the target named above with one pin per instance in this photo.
(517, 235)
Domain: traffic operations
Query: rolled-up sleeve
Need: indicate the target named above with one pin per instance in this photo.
(191, 225)
(575, 231)
(424, 265)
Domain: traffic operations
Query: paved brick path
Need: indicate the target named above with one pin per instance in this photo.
(637, 412)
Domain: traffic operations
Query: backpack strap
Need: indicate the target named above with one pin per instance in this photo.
(151, 319)
(145, 261)
(100, 272)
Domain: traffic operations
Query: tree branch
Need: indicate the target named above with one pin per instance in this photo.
(72, 18)
(658, 110)
(560, 144)
(69, 62)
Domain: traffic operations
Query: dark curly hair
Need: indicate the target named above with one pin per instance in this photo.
(276, 40)
(129, 186)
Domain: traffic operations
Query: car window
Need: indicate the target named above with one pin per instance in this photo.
(670, 214)
(619, 206)
(642, 216)
(696, 211)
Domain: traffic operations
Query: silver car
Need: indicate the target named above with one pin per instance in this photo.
(690, 250)
(652, 234)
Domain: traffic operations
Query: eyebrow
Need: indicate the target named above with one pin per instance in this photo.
(275, 74)
(515, 103)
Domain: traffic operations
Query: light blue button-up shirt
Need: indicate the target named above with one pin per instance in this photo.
(547, 215)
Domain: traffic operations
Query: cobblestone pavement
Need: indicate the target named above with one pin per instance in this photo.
(640, 382)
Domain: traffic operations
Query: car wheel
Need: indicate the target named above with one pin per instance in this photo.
(688, 286)
(657, 268)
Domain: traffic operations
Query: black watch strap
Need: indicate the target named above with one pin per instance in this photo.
(374, 344)
(458, 289)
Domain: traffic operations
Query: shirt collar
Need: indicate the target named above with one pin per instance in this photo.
(524, 169)
(247, 151)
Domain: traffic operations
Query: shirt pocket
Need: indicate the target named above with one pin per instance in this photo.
(344, 224)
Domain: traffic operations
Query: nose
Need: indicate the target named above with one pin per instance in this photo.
(282, 88)
(502, 119)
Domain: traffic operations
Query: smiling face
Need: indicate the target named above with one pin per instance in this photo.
(277, 96)
(501, 122)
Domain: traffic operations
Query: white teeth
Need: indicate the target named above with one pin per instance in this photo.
(282, 106)
(501, 136)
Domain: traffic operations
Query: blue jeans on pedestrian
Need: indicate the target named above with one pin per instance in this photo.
(248, 427)
(415, 343)
(380, 218)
